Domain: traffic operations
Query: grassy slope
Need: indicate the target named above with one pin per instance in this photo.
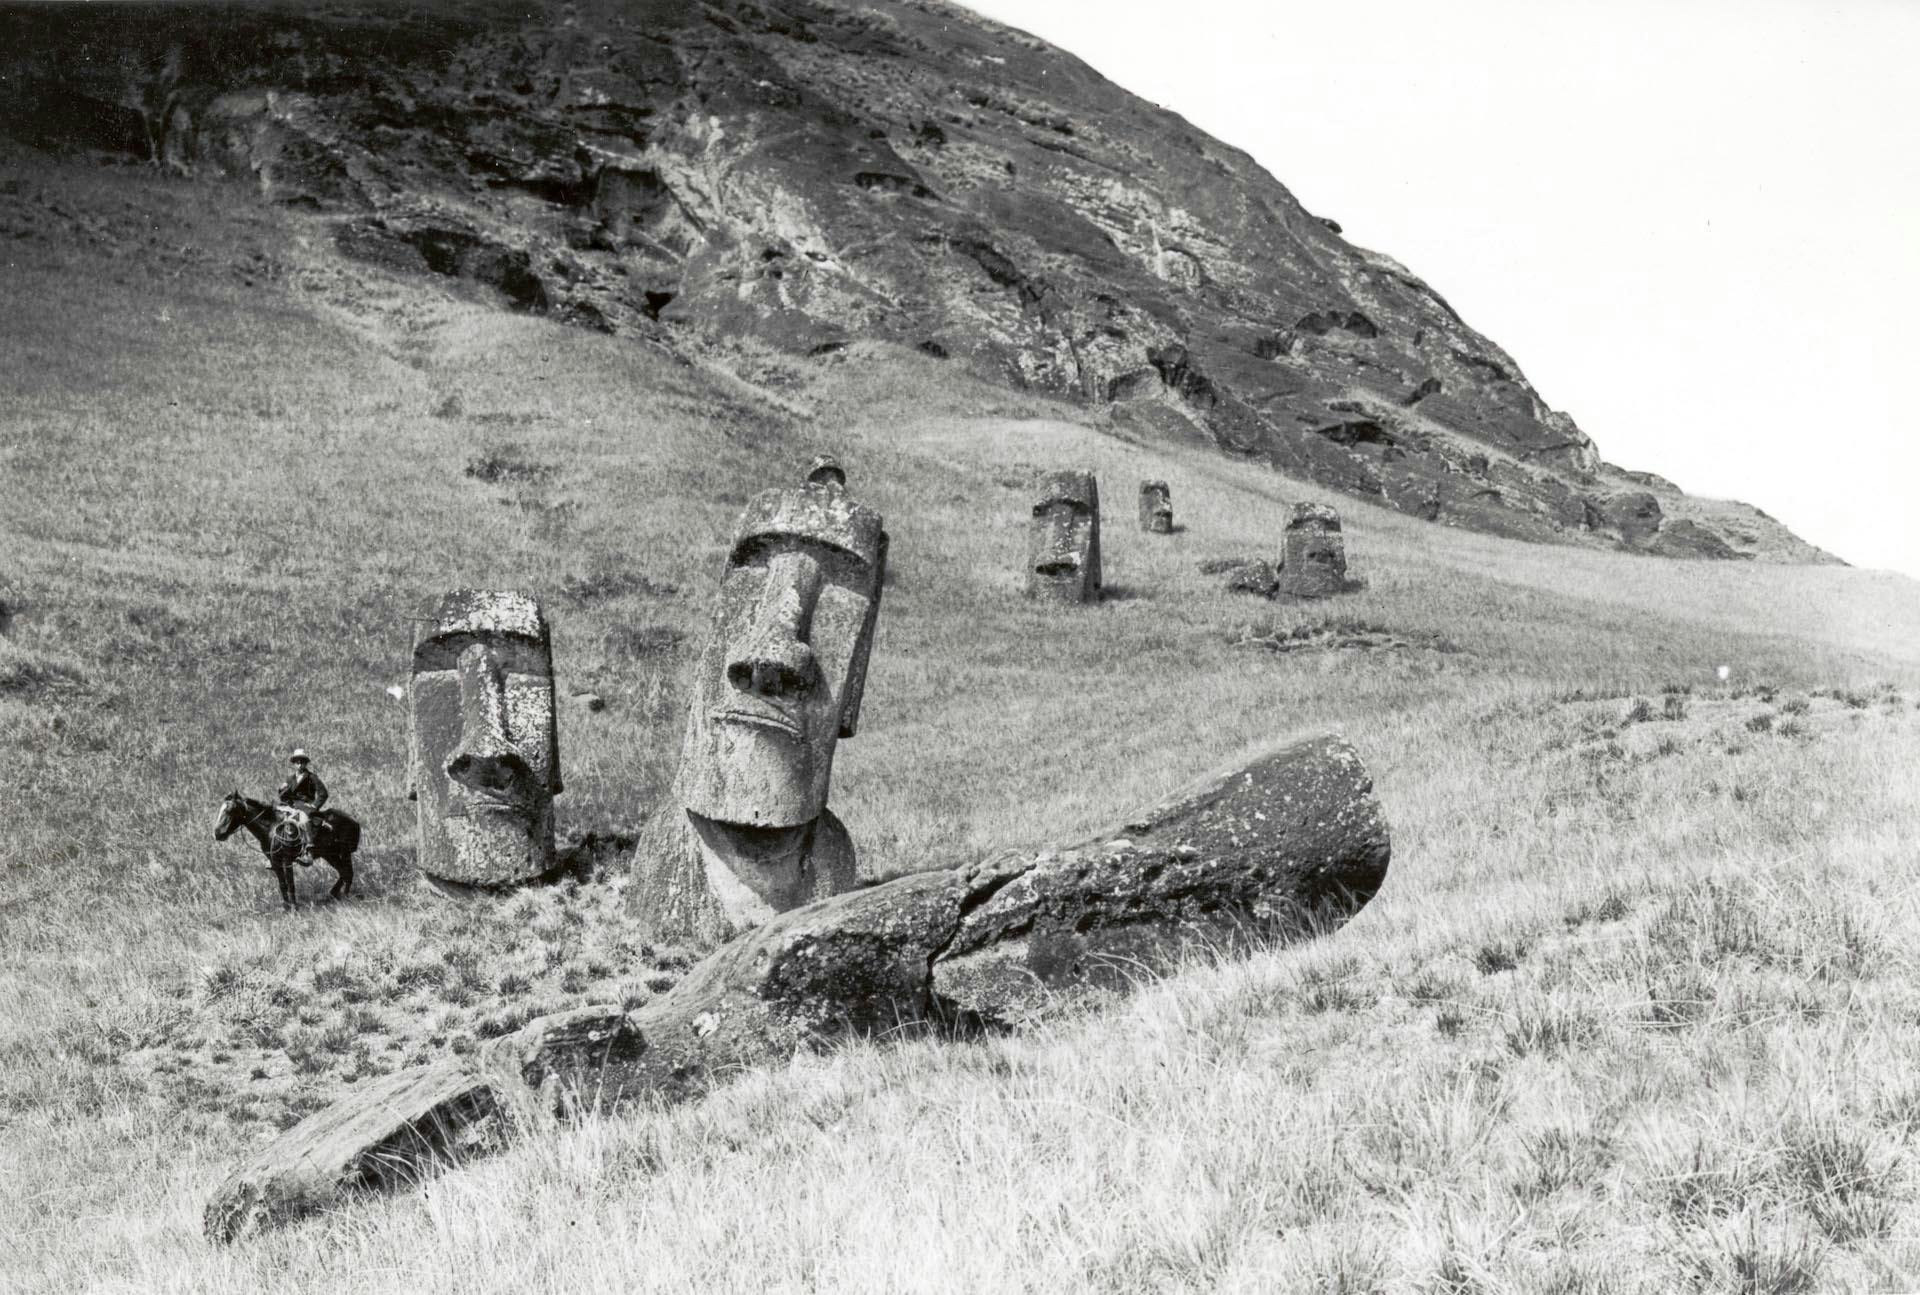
(1636, 1008)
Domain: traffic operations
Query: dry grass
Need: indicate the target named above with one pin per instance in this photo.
(1635, 1010)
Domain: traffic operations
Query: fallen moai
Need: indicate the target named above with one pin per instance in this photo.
(1289, 844)
(483, 744)
(1156, 507)
(1063, 548)
(746, 832)
(1313, 562)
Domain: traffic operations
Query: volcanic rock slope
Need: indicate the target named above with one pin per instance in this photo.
(810, 173)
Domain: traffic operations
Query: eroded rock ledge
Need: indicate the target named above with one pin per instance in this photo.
(1289, 844)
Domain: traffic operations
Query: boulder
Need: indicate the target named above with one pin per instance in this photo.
(1289, 844)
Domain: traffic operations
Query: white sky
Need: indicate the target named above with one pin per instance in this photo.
(1694, 223)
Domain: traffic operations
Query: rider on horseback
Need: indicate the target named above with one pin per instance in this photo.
(303, 794)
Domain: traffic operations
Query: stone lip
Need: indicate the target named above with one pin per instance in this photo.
(1066, 236)
(1314, 517)
(1285, 846)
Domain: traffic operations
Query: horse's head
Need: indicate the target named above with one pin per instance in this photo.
(233, 812)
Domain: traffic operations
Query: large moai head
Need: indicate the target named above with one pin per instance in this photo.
(1156, 507)
(1313, 563)
(780, 681)
(1063, 553)
(483, 745)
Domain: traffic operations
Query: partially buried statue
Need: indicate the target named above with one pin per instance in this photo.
(1063, 554)
(1156, 507)
(825, 470)
(746, 832)
(1313, 562)
(483, 747)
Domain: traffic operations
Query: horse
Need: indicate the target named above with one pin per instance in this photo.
(335, 837)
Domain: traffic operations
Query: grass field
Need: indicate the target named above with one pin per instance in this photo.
(1636, 1011)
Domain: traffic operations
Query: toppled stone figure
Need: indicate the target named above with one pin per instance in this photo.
(1313, 562)
(1156, 508)
(825, 470)
(1283, 847)
(483, 746)
(1063, 552)
(746, 832)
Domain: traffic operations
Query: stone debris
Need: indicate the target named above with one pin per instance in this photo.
(1063, 553)
(747, 833)
(1282, 847)
(483, 741)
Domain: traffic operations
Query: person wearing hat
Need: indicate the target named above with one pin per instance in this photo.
(303, 793)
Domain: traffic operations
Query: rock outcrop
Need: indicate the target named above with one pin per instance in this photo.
(810, 172)
(1287, 845)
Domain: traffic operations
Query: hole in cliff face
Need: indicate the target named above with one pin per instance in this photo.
(1349, 321)
(1356, 431)
(657, 302)
(890, 182)
(1431, 387)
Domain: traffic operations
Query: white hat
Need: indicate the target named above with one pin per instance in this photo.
(299, 753)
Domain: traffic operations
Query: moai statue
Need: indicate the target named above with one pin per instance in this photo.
(1063, 554)
(1156, 507)
(746, 832)
(483, 748)
(825, 470)
(1313, 563)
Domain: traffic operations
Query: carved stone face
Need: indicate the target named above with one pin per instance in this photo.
(484, 748)
(1314, 561)
(1156, 507)
(1063, 553)
(783, 671)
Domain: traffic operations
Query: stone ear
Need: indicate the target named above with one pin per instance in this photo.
(856, 687)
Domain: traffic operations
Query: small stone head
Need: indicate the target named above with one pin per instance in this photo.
(825, 470)
(1314, 561)
(781, 679)
(1063, 555)
(1156, 507)
(484, 748)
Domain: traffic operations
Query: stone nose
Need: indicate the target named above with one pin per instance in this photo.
(773, 658)
(485, 759)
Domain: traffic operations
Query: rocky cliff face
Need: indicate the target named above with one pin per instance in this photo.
(810, 172)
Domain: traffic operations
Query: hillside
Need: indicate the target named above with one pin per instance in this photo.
(815, 174)
(1633, 1011)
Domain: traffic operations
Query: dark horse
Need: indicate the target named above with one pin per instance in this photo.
(335, 837)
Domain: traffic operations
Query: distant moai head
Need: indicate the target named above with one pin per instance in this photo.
(1313, 563)
(483, 745)
(825, 470)
(1063, 553)
(780, 681)
(1156, 507)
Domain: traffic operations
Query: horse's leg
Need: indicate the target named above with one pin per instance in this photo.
(343, 877)
(283, 873)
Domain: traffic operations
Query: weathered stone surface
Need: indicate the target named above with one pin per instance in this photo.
(702, 882)
(1063, 549)
(747, 831)
(1156, 507)
(1290, 843)
(483, 739)
(396, 1129)
(1291, 838)
(1314, 561)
